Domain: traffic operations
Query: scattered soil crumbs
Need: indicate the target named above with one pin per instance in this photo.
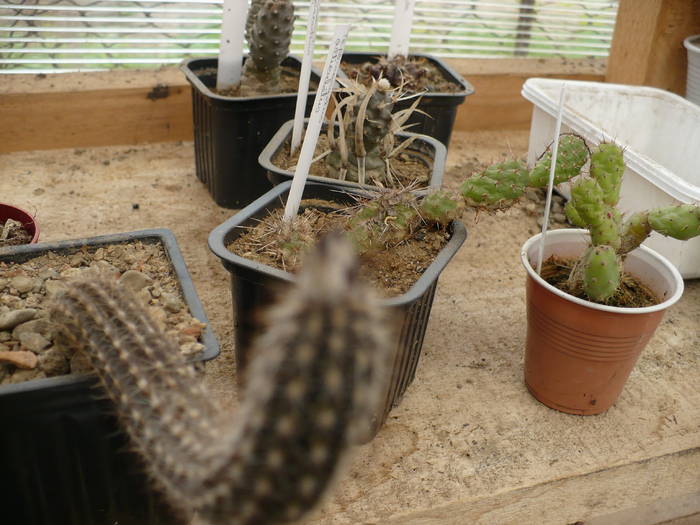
(391, 271)
(631, 294)
(289, 83)
(12, 233)
(414, 74)
(410, 168)
(30, 345)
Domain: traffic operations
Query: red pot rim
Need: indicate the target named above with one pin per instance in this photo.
(9, 211)
(650, 256)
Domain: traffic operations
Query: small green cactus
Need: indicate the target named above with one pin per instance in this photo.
(593, 206)
(269, 33)
(312, 389)
(497, 186)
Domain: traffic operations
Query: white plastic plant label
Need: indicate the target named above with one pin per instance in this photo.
(305, 74)
(401, 28)
(231, 44)
(318, 113)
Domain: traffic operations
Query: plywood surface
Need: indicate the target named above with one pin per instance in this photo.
(468, 444)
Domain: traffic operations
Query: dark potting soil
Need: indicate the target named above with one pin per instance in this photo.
(31, 347)
(409, 168)
(289, 83)
(632, 293)
(392, 271)
(12, 233)
(413, 75)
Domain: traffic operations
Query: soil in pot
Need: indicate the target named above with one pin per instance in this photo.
(632, 293)
(392, 271)
(12, 233)
(410, 169)
(412, 74)
(289, 83)
(30, 345)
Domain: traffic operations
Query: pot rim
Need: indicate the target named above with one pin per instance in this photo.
(692, 43)
(655, 258)
(31, 220)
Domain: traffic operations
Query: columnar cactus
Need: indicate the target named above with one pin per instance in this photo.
(269, 32)
(312, 388)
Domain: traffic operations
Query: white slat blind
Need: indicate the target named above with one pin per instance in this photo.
(68, 35)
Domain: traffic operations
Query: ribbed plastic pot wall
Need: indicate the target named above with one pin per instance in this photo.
(692, 89)
(579, 354)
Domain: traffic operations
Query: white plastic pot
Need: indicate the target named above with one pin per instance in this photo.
(660, 132)
(692, 87)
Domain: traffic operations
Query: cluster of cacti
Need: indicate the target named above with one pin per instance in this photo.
(313, 385)
(593, 206)
(392, 217)
(269, 29)
(363, 141)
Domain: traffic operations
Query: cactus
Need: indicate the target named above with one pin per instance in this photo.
(269, 32)
(312, 388)
(366, 127)
(602, 269)
(572, 154)
(593, 206)
(497, 186)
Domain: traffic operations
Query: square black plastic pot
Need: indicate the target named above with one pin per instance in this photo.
(430, 150)
(63, 457)
(254, 286)
(441, 108)
(230, 132)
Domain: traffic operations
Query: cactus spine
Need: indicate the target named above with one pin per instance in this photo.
(269, 32)
(314, 383)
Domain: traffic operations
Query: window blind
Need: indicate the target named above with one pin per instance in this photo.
(85, 35)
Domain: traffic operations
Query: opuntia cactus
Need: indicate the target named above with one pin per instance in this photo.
(312, 388)
(572, 154)
(593, 206)
(269, 32)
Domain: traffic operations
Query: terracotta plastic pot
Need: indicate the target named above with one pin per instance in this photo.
(7, 211)
(579, 354)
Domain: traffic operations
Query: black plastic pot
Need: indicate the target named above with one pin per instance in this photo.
(230, 133)
(430, 150)
(63, 457)
(254, 285)
(441, 108)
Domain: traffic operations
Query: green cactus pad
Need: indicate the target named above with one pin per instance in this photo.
(635, 230)
(572, 154)
(602, 268)
(573, 215)
(439, 207)
(680, 222)
(607, 168)
(497, 186)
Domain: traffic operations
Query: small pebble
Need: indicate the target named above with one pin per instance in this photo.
(171, 302)
(189, 349)
(21, 359)
(40, 326)
(15, 317)
(135, 280)
(34, 342)
(54, 362)
(5, 336)
(53, 287)
(22, 283)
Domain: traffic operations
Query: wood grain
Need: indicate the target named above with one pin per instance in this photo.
(647, 46)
